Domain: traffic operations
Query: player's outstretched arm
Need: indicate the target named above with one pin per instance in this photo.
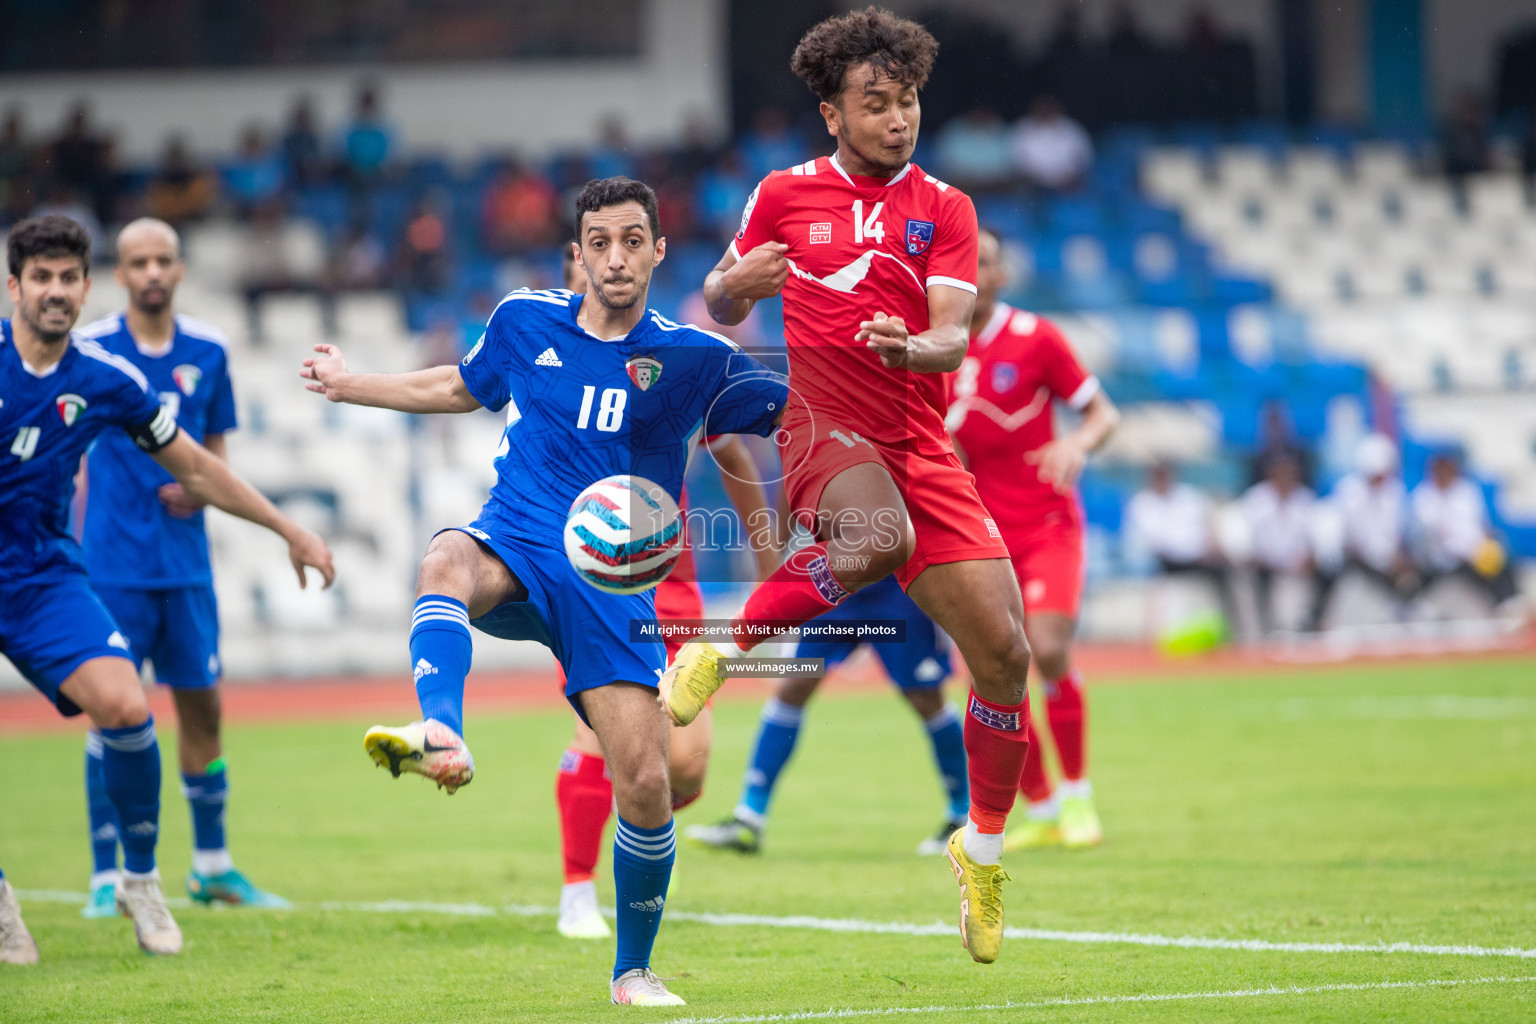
(734, 286)
(208, 479)
(1061, 461)
(439, 389)
(939, 349)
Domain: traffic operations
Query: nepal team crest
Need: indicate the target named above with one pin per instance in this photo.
(919, 236)
(644, 371)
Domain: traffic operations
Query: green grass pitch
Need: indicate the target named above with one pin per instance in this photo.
(1354, 806)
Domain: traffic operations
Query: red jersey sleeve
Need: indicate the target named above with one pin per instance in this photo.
(952, 257)
(759, 219)
(1064, 374)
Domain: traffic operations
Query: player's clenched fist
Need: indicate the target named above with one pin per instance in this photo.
(760, 274)
(318, 372)
(887, 336)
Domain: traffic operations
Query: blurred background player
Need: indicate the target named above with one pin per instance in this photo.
(583, 790)
(875, 313)
(1450, 523)
(1003, 422)
(146, 552)
(545, 353)
(918, 666)
(58, 392)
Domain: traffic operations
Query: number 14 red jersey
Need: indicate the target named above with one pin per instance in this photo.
(858, 246)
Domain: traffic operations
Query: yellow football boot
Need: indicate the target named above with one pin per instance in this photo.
(691, 679)
(981, 901)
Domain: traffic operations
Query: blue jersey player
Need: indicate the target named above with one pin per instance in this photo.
(564, 366)
(58, 393)
(918, 666)
(146, 552)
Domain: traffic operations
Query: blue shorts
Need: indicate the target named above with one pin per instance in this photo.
(49, 629)
(919, 664)
(176, 628)
(586, 628)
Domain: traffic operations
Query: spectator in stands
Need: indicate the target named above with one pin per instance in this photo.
(266, 265)
(358, 263)
(255, 174)
(180, 191)
(1453, 535)
(303, 155)
(613, 156)
(721, 194)
(1464, 147)
(79, 159)
(1372, 506)
(1050, 150)
(1278, 512)
(520, 210)
(974, 153)
(1170, 522)
(770, 144)
(421, 260)
(674, 195)
(368, 140)
(17, 161)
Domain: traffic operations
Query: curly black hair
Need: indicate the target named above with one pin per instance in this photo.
(897, 48)
(603, 192)
(49, 236)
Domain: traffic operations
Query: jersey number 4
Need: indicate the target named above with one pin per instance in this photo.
(867, 227)
(610, 410)
(25, 445)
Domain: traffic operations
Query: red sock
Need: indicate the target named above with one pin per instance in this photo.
(798, 591)
(1067, 714)
(996, 740)
(679, 801)
(1033, 782)
(584, 794)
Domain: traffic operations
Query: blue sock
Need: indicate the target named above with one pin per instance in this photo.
(776, 738)
(99, 808)
(642, 867)
(948, 739)
(130, 765)
(205, 795)
(440, 653)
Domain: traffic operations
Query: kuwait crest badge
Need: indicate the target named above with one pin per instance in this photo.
(644, 371)
(69, 407)
(187, 378)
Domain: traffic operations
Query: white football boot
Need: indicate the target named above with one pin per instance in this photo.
(639, 987)
(141, 899)
(427, 748)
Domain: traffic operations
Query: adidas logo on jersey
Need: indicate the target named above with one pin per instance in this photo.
(651, 904)
(117, 640)
(424, 668)
(548, 358)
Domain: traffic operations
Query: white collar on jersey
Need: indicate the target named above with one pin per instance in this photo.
(1001, 312)
(897, 177)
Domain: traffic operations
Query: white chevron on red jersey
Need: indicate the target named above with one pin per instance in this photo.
(1001, 412)
(858, 246)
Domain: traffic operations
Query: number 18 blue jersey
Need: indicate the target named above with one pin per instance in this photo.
(581, 408)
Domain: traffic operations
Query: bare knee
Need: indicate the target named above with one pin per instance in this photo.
(1052, 658)
(442, 567)
(121, 707)
(926, 703)
(687, 775)
(644, 793)
(1001, 666)
(796, 692)
(198, 714)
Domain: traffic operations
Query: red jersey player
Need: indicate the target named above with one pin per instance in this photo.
(877, 264)
(1001, 414)
(583, 790)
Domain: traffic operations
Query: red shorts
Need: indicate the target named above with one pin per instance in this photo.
(678, 597)
(947, 515)
(1048, 559)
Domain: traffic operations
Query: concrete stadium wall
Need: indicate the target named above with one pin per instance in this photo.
(460, 110)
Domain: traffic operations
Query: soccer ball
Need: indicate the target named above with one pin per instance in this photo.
(623, 534)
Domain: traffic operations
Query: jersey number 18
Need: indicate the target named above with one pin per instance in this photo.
(610, 410)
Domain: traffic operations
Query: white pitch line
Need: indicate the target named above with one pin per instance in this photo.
(861, 927)
(1148, 997)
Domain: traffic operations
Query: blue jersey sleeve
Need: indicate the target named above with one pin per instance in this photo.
(134, 408)
(748, 397)
(487, 369)
(221, 407)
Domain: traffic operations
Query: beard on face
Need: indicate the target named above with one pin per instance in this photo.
(600, 289)
(153, 299)
(50, 337)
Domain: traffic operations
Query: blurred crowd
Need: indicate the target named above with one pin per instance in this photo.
(1400, 542)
